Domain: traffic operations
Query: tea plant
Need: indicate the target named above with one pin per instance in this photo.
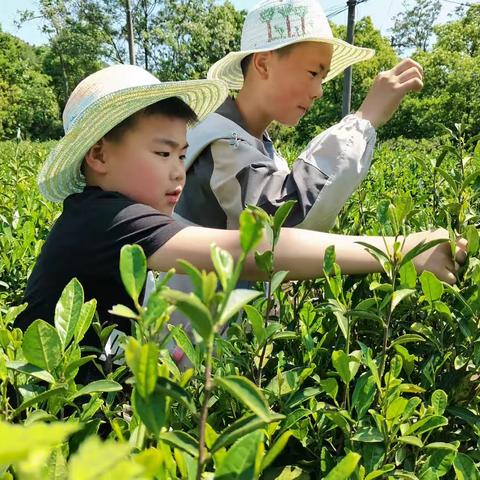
(340, 377)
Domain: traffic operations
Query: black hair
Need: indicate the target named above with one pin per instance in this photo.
(170, 107)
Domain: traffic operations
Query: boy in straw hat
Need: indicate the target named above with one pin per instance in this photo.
(287, 53)
(119, 171)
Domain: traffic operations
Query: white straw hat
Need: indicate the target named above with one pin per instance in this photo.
(99, 103)
(273, 24)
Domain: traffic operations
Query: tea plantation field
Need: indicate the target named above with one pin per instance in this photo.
(344, 377)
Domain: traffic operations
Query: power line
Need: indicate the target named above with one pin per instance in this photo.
(338, 12)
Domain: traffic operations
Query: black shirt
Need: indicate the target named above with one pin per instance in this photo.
(85, 243)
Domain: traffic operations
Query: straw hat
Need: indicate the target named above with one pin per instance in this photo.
(273, 24)
(103, 100)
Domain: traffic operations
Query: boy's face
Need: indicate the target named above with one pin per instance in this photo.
(295, 80)
(147, 163)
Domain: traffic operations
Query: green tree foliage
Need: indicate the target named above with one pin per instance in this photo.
(413, 26)
(452, 87)
(27, 101)
(180, 40)
(76, 44)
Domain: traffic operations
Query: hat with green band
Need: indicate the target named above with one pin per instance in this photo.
(274, 24)
(99, 103)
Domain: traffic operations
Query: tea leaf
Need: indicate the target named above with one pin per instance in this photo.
(133, 270)
(151, 411)
(275, 450)
(240, 460)
(256, 320)
(426, 424)
(411, 440)
(42, 345)
(19, 442)
(143, 361)
(251, 230)
(264, 261)
(277, 280)
(363, 394)
(41, 397)
(181, 440)
(194, 309)
(31, 370)
(240, 428)
(431, 286)
(68, 310)
(398, 296)
(167, 387)
(368, 434)
(236, 301)
(186, 345)
(280, 216)
(94, 458)
(439, 402)
(84, 320)
(223, 263)
(99, 386)
(247, 393)
(465, 468)
(420, 248)
(345, 468)
(340, 362)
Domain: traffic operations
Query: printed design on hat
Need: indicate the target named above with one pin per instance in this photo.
(284, 21)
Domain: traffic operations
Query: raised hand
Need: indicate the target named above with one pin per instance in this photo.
(388, 91)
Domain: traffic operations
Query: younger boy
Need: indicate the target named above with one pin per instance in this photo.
(288, 52)
(119, 171)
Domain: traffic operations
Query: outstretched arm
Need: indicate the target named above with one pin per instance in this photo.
(301, 252)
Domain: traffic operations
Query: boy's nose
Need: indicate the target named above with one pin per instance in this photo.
(178, 171)
(317, 92)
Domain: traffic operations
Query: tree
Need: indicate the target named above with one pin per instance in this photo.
(451, 90)
(413, 26)
(27, 101)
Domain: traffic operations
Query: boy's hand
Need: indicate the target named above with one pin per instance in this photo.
(388, 91)
(438, 260)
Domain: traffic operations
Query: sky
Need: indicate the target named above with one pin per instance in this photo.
(381, 12)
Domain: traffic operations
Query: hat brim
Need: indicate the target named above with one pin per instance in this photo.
(344, 55)
(60, 175)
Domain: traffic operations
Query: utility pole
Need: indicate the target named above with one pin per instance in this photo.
(347, 76)
(131, 44)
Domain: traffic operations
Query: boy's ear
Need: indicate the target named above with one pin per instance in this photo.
(95, 158)
(261, 63)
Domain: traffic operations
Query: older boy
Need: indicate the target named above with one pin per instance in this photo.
(288, 52)
(126, 132)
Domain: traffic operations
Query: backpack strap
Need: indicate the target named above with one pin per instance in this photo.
(214, 127)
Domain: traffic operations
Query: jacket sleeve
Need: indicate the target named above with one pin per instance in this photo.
(321, 179)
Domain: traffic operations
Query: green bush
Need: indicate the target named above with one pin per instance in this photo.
(340, 377)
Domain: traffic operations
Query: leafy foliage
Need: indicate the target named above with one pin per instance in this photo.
(340, 377)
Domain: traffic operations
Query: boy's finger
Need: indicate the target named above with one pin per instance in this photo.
(412, 72)
(413, 85)
(451, 278)
(405, 65)
(460, 256)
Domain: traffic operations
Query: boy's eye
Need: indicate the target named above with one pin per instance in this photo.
(162, 154)
(312, 73)
(183, 157)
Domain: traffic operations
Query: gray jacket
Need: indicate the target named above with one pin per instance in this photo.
(227, 168)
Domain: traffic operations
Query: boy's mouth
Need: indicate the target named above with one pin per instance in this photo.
(174, 195)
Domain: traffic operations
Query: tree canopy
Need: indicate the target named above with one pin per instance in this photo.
(180, 39)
